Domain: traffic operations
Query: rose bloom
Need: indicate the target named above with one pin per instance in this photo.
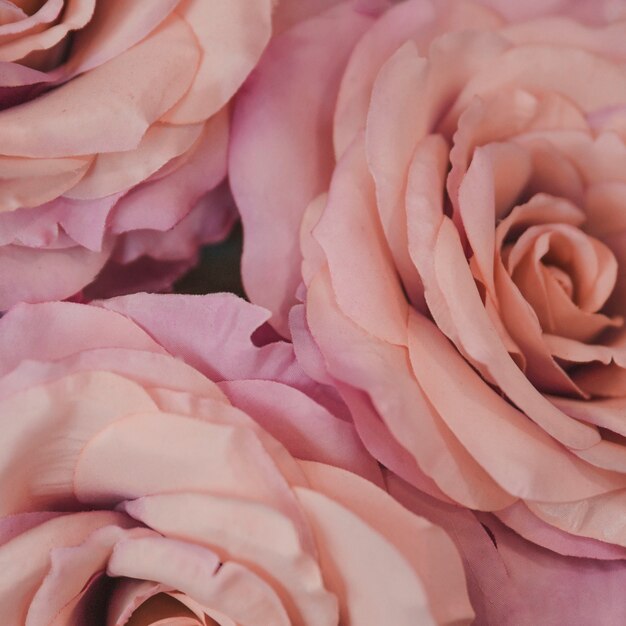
(464, 267)
(135, 492)
(113, 132)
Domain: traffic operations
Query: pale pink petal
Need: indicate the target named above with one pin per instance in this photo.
(55, 330)
(67, 270)
(161, 202)
(176, 322)
(307, 430)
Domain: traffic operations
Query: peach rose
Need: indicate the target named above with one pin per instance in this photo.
(465, 268)
(135, 492)
(113, 131)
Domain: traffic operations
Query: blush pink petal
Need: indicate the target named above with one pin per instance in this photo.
(56, 330)
(10, 13)
(209, 221)
(307, 430)
(31, 182)
(11, 29)
(288, 13)
(40, 226)
(13, 525)
(134, 89)
(175, 321)
(269, 120)
(150, 369)
(232, 34)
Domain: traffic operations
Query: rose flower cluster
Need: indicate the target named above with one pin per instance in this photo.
(419, 415)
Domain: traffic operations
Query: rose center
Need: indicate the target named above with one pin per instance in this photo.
(563, 273)
(29, 7)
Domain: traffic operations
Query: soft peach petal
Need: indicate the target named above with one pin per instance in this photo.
(113, 172)
(270, 121)
(115, 27)
(518, 518)
(532, 465)
(362, 361)
(62, 416)
(232, 35)
(26, 559)
(71, 569)
(477, 336)
(597, 518)
(247, 532)
(426, 547)
(589, 80)
(134, 89)
(375, 583)
(360, 263)
(394, 126)
(32, 182)
(75, 15)
(377, 44)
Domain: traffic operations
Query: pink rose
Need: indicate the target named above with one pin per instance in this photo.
(137, 487)
(113, 138)
(464, 267)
